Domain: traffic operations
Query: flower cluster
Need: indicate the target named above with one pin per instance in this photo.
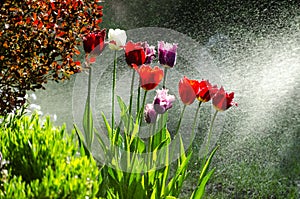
(138, 57)
(189, 90)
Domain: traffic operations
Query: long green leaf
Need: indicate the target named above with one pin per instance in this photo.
(198, 193)
(134, 132)
(125, 117)
(206, 166)
(102, 143)
(138, 145)
(180, 170)
(88, 125)
(108, 128)
(82, 146)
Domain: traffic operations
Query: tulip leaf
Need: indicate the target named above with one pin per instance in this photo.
(125, 117)
(176, 182)
(161, 131)
(138, 144)
(108, 128)
(102, 143)
(88, 125)
(136, 190)
(206, 166)
(82, 146)
(198, 193)
(135, 131)
(171, 197)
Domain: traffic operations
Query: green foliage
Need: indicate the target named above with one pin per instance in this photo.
(43, 161)
(39, 42)
(137, 168)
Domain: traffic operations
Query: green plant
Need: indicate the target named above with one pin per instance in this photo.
(42, 161)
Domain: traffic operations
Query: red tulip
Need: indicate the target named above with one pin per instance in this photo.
(134, 54)
(94, 41)
(186, 91)
(206, 91)
(222, 100)
(149, 77)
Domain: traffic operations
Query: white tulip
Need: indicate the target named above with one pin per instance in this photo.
(117, 39)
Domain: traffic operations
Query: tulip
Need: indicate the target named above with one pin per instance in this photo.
(134, 54)
(167, 54)
(186, 91)
(117, 39)
(150, 114)
(149, 77)
(207, 91)
(163, 101)
(94, 41)
(150, 52)
(204, 90)
(223, 100)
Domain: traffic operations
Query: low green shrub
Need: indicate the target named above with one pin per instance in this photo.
(42, 161)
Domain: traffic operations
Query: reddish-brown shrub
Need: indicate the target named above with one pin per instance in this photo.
(38, 42)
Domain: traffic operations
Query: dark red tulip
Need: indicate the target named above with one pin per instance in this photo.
(94, 41)
(134, 54)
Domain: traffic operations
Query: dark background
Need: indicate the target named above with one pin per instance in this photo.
(203, 18)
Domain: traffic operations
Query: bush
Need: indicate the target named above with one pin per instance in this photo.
(42, 161)
(38, 42)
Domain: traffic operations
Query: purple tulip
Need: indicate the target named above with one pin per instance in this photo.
(163, 101)
(167, 54)
(150, 52)
(150, 114)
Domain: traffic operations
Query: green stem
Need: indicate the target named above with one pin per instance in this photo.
(130, 101)
(194, 123)
(139, 115)
(179, 122)
(138, 101)
(151, 126)
(176, 133)
(165, 77)
(113, 93)
(142, 109)
(127, 134)
(150, 155)
(89, 134)
(210, 132)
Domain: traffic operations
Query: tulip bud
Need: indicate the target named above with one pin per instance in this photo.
(117, 39)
